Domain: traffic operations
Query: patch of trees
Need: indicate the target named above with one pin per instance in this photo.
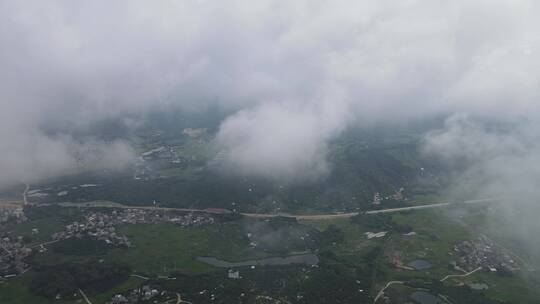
(379, 222)
(374, 169)
(84, 246)
(281, 235)
(66, 279)
(213, 288)
(41, 212)
(334, 283)
(330, 283)
(225, 218)
(330, 236)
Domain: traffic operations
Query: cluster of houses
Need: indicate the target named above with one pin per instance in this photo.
(150, 162)
(481, 252)
(145, 171)
(398, 196)
(96, 225)
(13, 252)
(166, 156)
(99, 230)
(161, 152)
(145, 294)
(149, 216)
(194, 132)
(9, 212)
(101, 226)
(12, 256)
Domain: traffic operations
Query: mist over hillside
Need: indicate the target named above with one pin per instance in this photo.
(292, 76)
(270, 152)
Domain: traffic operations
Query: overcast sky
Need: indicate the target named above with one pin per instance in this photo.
(297, 73)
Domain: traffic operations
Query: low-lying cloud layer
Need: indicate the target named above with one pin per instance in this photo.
(494, 160)
(297, 72)
(501, 160)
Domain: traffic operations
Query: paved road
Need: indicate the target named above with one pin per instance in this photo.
(25, 198)
(302, 217)
(351, 214)
(435, 205)
(140, 277)
(104, 204)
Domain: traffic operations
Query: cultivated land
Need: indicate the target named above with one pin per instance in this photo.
(168, 250)
(158, 249)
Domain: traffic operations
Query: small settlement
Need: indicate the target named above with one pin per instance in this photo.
(96, 225)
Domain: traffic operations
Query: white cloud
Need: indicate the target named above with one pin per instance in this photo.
(308, 67)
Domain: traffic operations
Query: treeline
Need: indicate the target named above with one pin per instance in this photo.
(457, 294)
(66, 279)
(84, 246)
(42, 212)
(282, 235)
(380, 222)
(331, 282)
(356, 175)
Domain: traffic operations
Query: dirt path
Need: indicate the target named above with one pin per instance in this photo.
(179, 299)
(381, 292)
(84, 296)
(460, 275)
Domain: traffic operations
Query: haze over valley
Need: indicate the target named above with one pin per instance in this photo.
(269, 152)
